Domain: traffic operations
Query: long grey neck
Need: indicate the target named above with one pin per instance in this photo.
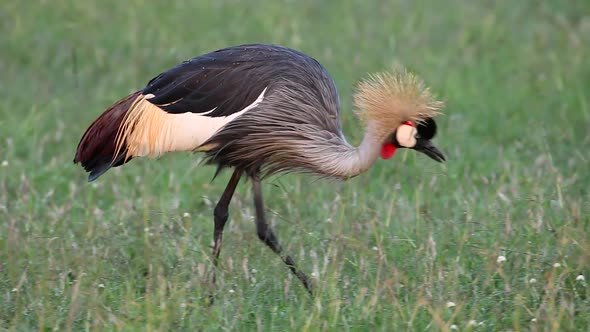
(349, 161)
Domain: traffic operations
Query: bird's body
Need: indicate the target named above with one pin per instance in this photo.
(214, 102)
(260, 109)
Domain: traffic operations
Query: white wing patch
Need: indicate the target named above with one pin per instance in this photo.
(205, 113)
(150, 131)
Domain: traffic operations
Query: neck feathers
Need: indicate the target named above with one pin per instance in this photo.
(345, 161)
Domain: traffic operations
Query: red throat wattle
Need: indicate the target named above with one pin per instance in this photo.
(387, 150)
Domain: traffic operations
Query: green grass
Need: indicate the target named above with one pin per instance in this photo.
(389, 250)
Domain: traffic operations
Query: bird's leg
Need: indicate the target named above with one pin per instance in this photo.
(267, 235)
(220, 215)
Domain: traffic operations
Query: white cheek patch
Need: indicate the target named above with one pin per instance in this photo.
(406, 136)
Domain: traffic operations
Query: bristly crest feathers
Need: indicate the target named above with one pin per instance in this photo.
(391, 98)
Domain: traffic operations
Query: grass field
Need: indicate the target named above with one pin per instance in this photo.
(409, 246)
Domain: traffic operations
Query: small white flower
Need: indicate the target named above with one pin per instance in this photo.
(313, 274)
(231, 291)
(580, 277)
(472, 322)
(186, 215)
(14, 290)
(94, 185)
(501, 259)
(532, 280)
(183, 305)
(100, 285)
(556, 265)
(147, 229)
(4, 163)
(454, 327)
(254, 270)
(534, 320)
(375, 249)
(450, 304)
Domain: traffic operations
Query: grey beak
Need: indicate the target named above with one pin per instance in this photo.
(430, 150)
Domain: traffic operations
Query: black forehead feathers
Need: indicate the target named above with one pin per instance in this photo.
(427, 128)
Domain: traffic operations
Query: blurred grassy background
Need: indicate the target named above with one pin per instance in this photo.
(409, 245)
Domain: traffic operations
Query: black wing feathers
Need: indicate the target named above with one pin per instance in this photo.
(223, 82)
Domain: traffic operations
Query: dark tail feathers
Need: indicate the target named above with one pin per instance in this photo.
(96, 150)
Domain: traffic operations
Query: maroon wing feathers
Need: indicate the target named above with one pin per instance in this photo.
(97, 147)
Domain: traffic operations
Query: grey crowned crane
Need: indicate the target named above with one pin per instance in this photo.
(261, 110)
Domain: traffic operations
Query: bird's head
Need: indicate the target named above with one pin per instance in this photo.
(416, 137)
(399, 110)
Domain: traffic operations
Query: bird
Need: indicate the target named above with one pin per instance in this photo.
(261, 110)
